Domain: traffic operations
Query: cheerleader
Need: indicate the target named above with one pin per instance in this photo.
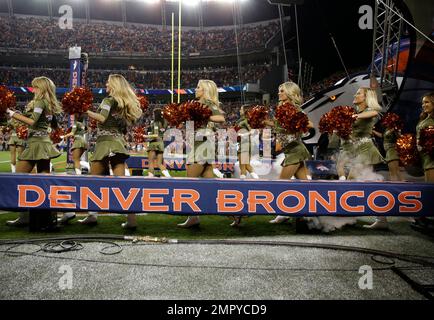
(244, 149)
(16, 145)
(426, 120)
(392, 158)
(79, 146)
(155, 148)
(200, 161)
(40, 113)
(293, 148)
(119, 110)
(359, 150)
(366, 154)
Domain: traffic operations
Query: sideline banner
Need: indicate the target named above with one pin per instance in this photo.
(214, 196)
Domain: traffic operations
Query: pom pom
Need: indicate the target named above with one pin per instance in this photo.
(407, 149)
(144, 102)
(392, 121)
(55, 135)
(197, 112)
(7, 100)
(341, 120)
(173, 114)
(79, 100)
(256, 117)
(426, 140)
(22, 132)
(93, 124)
(292, 120)
(325, 124)
(138, 134)
(5, 129)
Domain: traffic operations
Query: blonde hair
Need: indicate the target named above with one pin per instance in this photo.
(125, 97)
(210, 91)
(293, 92)
(47, 91)
(371, 99)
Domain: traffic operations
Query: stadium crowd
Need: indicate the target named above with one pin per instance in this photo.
(223, 76)
(41, 34)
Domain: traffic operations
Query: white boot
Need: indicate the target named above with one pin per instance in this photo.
(77, 171)
(243, 176)
(309, 177)
(190, 222)
(91, 219)
(342, 178)
(293, 178)
(21, 221)
(218, 173)
(279, 220)
(85, 165)
(254, 175)
(66, 217)
(13, 168)
(379, 224)
(166, 174)
(150, 174)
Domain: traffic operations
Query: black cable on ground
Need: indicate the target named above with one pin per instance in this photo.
(421, 260)
(414, 285)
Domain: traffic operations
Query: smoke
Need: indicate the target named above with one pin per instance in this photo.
(362, 172)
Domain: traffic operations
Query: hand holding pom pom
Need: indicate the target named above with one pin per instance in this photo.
(392, 121)
(407, 149)
(426, 140)
(56, 135)
(144, 102)
(79, 100)
(197, 112)
(22, 132)
(173, 114)
(342, 119)
(7, 101)
(256, 117)
(139, 134)
(292, 120)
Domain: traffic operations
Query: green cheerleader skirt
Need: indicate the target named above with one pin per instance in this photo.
(427, 161)
(391, 155)
(109, 146)
(204, 153)
(39, 148)
(157, 146)
(367, 153)
(79, 143)
(15, 141)
(295, 153)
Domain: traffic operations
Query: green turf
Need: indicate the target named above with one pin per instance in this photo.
(60, 163)
(211, 227)
(5, 162)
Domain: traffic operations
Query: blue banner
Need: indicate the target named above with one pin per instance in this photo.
(215, 196)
